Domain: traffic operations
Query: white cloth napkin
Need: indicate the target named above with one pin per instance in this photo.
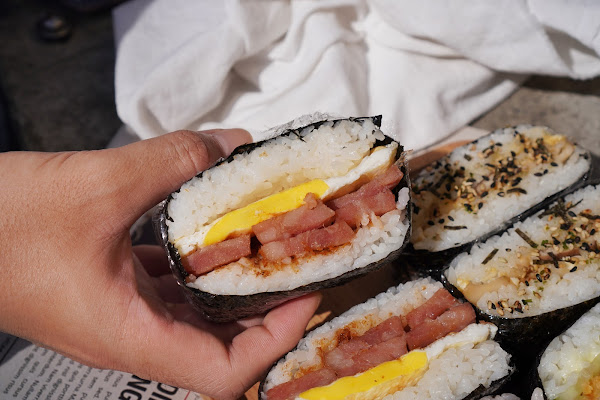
(428, 67)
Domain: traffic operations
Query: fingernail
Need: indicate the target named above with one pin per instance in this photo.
(229, 139)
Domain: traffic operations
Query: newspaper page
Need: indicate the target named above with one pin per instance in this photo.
(29, 372)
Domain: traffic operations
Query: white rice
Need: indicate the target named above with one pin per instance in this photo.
(570, 353)
(556, 292)
(429, 234)
(458, 371)
(287, 162)
(538, 394)
(455, 373)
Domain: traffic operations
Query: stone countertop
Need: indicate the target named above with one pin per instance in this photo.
(60, 96)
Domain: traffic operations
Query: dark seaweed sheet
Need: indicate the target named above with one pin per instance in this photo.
(224, 308)
(533, 379)
(421, 263)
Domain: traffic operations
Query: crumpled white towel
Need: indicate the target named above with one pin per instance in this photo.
(428, 68)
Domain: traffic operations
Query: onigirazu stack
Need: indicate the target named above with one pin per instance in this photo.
(309, 208)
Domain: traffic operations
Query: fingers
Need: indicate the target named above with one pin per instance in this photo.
(257, 348)
(149, 170)
(182, 350)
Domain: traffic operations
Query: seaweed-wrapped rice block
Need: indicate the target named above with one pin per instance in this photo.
(539, 276)
(307, 209)
(569, 368)
(480, 188)
(414, 341)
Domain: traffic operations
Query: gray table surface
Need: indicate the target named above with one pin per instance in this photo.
(61, 95)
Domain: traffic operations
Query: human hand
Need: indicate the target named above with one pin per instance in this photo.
(73, 282)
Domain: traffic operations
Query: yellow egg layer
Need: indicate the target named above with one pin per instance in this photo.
(376, 382)
(243, 219)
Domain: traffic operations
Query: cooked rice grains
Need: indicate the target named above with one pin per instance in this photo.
(479, 187)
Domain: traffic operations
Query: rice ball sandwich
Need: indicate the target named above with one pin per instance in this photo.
(309, 208)
(414, 341)
(480, 188)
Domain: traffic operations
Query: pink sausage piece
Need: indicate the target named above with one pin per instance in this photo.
(318, 239)
(210, 257)
(311, 215)
(441, 301)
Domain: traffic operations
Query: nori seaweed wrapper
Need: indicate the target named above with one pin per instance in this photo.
(422, 263)
(533, 379)
(225, 308)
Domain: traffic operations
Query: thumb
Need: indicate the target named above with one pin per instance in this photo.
(151, 169)
(256, 349)
(237, 365)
